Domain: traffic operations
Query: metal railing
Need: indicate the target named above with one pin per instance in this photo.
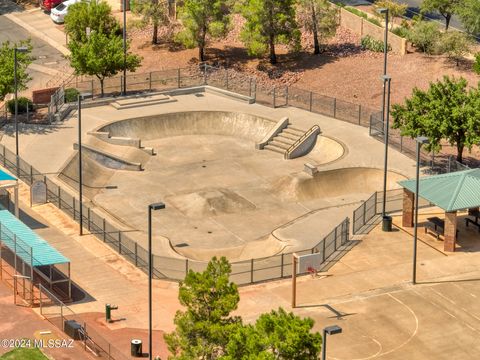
(301, 139)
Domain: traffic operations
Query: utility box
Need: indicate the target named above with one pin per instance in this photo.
(72, 329)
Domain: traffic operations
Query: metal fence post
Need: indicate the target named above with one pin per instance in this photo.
(251, 271)
(186, 267)
(311, 100)
(4, 157)
(204, 74)
(282, 262)
(250, 87)
(286, 95)
(359, 114)
(179, 83)
(335, 242)
(92, 88)
(335, 107)
(136, 254)
(74, 212)
(274, 97)
(121, 84)
(88, 219)
(104, 231)
(401, 144)
(59, 198)
(226, 78)
(31, 174)
(323, 251)
(150, 81)
(119, 242)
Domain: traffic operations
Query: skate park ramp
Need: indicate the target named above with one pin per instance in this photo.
(334, 183)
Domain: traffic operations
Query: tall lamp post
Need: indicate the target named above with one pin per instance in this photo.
(80, 172)
(384, 11)
(124, 92)
(329, 330)
(421, 140)
(151, 207)
(21, 49)
(386, 120)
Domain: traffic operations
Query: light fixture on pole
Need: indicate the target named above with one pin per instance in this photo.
(329, 330)
(421, 140)
(151, 207)
(21, 49)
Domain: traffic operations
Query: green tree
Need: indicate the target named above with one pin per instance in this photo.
(203, 329)
(277, 335)
(476, 64)
(95, 15)
(320, 18)
(425, 36)
(395, 9)
(455, 44)
(446, 111)
(446, 8)
(269, 22)
(152, 12)
(202, 19)
(101, 55)
(7, 64)
(468, 13)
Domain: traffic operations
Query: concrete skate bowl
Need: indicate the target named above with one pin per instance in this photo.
(338, 183)
(191, 123)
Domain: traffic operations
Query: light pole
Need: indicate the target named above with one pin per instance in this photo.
(21, 49)
(384, 11)
(420, 141)
(329, 330)
(124, 92)
(151, 207)
(386, 219)
(80, 177)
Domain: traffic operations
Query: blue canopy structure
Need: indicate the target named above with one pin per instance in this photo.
(5, 176)
(30, 247)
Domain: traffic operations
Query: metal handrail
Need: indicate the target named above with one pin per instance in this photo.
(300, 139)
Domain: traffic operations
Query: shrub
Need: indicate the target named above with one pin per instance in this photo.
(425, 35)
(71, 95)
(400, 31)
(369, 43)
(455, 44)
(23, 102)
(356, 12)
(374, 21)
(476, 64)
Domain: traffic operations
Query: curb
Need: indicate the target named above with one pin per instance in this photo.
(38, 34)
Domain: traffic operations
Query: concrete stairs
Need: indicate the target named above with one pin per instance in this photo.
(286, 138)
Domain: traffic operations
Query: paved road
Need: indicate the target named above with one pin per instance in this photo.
(48, 60)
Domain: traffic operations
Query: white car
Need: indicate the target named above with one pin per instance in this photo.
(58, 13)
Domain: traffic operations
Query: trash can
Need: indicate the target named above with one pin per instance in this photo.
(136, 348)
(387, 223)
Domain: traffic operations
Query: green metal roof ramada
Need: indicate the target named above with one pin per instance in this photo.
(42, 252)
(454, 191)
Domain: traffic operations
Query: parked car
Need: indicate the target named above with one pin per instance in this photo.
(48, 5)
(58, 13)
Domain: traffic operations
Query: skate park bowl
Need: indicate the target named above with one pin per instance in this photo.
(223, 196)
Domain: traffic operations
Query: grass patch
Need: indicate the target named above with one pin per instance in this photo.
(24, 354)
(363, 15)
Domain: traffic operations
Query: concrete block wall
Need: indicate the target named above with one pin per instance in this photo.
(363, 28)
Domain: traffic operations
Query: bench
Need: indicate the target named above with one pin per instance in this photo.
(473, 222)
(436, 225)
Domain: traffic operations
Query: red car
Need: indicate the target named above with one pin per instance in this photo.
(48, 5)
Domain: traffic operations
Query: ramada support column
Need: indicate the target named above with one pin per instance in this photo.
(408, 205)
(450, 231)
